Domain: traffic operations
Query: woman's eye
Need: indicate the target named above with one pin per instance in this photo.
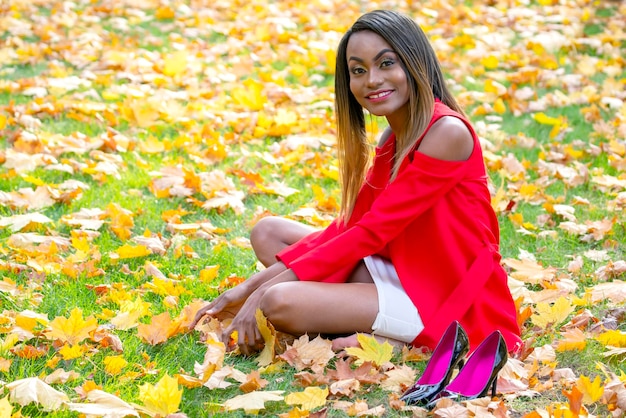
(386, 63)
(357, 70)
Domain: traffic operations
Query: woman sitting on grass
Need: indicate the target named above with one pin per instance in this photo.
(415, 245)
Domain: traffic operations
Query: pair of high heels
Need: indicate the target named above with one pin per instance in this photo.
(476, 376)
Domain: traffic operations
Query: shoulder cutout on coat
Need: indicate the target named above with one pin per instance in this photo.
(448, 139)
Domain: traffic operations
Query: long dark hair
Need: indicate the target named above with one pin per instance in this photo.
(425, 80)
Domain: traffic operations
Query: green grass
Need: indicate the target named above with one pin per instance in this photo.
(55, 294)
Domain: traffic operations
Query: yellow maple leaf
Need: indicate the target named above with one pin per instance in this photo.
(544, 119)
(130, 310)
(552, 314)
(269, 336)
(69, 352)
(592, 391)
(208, 273)
(490, 62)
(163, 398)
(131, 251)
(113, 365)
(5, 406)
(499, 106)
(310, 398)
(165, 287)
(371, 350)
(72, 330)
(175, 64)
(164, 12)
(121, 220)
(250, 95)
(614, 338)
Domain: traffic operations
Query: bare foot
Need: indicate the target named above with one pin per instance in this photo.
(342, 343)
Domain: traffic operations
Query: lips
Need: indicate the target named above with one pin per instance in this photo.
(379, 95)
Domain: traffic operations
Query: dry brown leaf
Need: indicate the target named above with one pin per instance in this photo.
(103, 404)
(253, 402)
(33, 389)
(314, 355)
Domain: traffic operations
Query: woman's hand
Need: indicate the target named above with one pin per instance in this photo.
(228, 304)
(223, 307)
(249, 338)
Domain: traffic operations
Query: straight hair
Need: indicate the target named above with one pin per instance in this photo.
(425, 82)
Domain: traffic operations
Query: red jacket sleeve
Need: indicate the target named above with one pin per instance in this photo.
(418, 186)
(297, 250)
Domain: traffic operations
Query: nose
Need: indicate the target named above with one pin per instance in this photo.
(374, 77)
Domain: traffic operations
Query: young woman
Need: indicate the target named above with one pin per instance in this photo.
(415, 246)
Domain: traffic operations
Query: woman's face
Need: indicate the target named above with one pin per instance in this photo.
(377, 77)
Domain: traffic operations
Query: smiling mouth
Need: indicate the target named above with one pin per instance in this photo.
(379, 95)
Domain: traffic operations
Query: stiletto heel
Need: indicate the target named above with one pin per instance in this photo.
(448, 354)
(480, 372)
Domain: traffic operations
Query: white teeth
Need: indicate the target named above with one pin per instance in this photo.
(379, 95)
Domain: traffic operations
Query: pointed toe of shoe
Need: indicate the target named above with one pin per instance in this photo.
(420, 394)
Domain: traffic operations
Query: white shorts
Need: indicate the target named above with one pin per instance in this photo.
(397, 317)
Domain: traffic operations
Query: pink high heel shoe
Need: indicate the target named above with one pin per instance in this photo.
(448, 354)
(480, 372)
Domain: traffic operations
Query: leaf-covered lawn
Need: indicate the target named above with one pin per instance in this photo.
(141, 139)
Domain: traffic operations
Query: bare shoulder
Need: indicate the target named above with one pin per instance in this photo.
(448, 139)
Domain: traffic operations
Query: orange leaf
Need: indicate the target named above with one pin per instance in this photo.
(30, 352)
(254, 382)
(575, 397)
(159, 330)
(574, 340)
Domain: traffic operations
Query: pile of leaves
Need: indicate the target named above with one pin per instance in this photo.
(141, 140)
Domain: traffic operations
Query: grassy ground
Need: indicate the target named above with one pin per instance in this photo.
(113, 94)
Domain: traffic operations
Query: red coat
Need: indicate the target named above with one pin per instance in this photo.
(436, 224)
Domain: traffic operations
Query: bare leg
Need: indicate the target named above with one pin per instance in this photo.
(323, 308)
(272, 234)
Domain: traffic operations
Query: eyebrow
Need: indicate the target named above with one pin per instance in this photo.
(380, 54)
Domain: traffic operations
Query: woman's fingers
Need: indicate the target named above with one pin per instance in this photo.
(249, 339)
(201, 313)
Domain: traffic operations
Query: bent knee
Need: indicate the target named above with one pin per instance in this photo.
(263, 231)
(278, 307)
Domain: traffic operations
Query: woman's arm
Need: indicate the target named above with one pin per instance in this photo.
(229, 303)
